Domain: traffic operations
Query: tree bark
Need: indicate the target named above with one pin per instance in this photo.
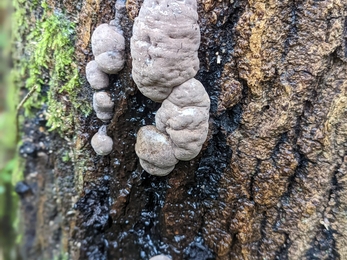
(270, 182)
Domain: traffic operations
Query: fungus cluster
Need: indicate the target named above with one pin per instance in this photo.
(164, 49)
(108, 46)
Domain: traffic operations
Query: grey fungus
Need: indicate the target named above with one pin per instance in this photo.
(96, 77)
(183, 116)
(105, 38)
(101, 142)
(110, 62)
(164, 49)
(190, 93)
(160, 257)
(103, 105)
(108, 45)
(164, 46)
(155, 151)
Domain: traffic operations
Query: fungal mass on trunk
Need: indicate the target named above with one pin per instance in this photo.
(164, 49)
(108, 47)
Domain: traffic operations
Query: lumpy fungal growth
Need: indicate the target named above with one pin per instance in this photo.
(110, 62)
(164, 46)
(96, 77)
(108, 46)
(103, 105)
(184, 117)
(155, 151)
(101, 142)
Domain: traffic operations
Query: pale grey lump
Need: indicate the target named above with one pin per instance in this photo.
(96, 77)
(184, 117)
(155, 151)
(108, 46)
(101, 142)
(107, 38)
(103, 105)
(166, 38)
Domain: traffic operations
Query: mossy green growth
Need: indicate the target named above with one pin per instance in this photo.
(9, 159)
(66, 157)
(62, 256)
(51, 67)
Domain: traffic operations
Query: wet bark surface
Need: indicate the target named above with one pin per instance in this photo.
(270, 182)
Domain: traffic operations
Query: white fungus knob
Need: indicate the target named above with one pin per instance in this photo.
(103, 105)
(108, 47)
(96, 77)
(155, 151)
(101, 142)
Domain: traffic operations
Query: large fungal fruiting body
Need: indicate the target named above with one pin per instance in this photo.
(108, 46)
(166, 38)
(164, 47)
(184, 117)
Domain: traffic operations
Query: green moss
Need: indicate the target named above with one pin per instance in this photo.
(43, 55)
(66, 157)
(62, 256)
(9, 159)
(51, 67)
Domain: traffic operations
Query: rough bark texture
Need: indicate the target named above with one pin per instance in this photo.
(270, 182)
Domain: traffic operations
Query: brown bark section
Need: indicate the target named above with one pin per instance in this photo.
(270, 182)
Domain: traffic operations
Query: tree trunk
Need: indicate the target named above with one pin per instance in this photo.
(270, 182)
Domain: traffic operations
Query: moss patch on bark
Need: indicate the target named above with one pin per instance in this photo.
(48, 63)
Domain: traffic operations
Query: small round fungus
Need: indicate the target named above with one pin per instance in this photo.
(107, 38)
(155, 151)
(108, 46)
(96, 77)
(160, 257)
(101, 142)
(110, 62)
(103, 105)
